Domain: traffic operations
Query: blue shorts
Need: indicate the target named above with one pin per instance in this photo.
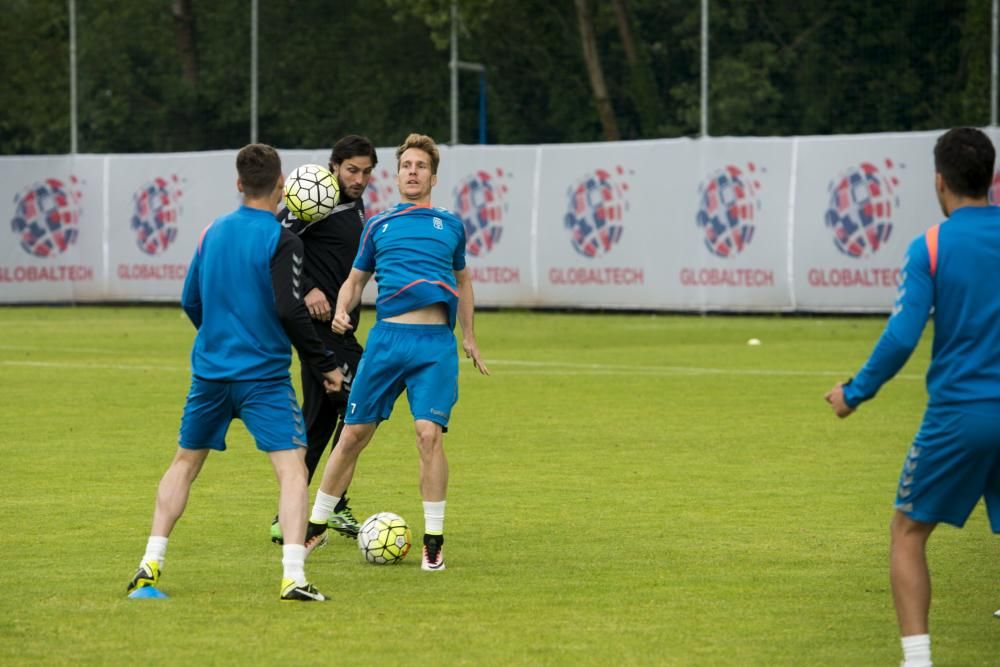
(268, 408)
(954, 461)
(421, 358)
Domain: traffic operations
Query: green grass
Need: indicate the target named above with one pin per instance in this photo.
(625, 489)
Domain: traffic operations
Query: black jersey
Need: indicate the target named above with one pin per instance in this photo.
(330, 246)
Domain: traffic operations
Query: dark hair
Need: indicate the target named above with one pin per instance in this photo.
(964, 158)
(424, 143)
(350, 146)
(259, 169)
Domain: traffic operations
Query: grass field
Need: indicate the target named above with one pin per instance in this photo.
(625, 489)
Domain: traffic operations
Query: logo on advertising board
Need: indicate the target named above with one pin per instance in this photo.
(863, 200)
(46, 221)
(595, 218)
(597, 207)
(481, 204)
(729, 205)
(381, 192)
(47, 216)
(156, 213)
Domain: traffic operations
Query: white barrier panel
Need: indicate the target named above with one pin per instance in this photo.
(859, 201)
(601, 233)
(726, 208)
(159, 207)
(492, 192)
(53, 248)
(809, 223)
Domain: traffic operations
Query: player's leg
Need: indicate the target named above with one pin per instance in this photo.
(945, 474)
(271, 414)
(377, 385)
(337, 476)
(171, 499)
(343, 520)
(911, 579)
(992, 494)
(433, 490)
(320, 415)
(432, 390)
(293, 501)
(206, 418)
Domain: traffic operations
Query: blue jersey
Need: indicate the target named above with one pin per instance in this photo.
(241, 293)
(414, 252)
(950, 272)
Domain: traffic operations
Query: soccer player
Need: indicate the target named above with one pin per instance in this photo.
(330, 246)
(241, 295)
(418, 256)
(955, 458)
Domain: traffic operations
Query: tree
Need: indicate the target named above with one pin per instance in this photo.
(592, 59)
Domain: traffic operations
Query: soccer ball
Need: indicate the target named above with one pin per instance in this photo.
(384, 538)
(311, 192)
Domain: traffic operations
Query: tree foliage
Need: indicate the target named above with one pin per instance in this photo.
(172, 75)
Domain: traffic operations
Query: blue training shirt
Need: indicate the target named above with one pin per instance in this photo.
(414, 252)
(962, 291)
(229, 295)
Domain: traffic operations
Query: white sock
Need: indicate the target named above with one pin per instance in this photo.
(156, 549)
(916, 651)
(434, 517)
(293, 559)
(324, 507)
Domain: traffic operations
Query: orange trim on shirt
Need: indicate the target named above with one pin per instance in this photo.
(202, 237)
(422, 280)
(931, 238)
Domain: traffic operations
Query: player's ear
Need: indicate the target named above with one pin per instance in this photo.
(434, 180)
(239, 186)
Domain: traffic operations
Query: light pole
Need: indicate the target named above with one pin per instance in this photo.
(73, 143)
(454, 64)
(253, 72)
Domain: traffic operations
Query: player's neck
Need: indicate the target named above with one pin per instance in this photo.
(955, 202)
(261, 204)
(420, 201)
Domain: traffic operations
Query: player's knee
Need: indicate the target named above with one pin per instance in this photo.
(903, 527)
(353, 439)
(428, 438)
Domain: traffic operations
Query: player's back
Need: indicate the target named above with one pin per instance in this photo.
(966, 361)
(241, 337)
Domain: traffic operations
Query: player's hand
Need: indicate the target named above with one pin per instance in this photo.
(341, 322)
(472, 352)
(835, 397)
(317, 304)
(333, 381)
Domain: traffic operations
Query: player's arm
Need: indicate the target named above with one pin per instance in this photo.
(348, 299)
(191, 292)
(286, 269)
(914, 301)
(466, 317)
(315, 299)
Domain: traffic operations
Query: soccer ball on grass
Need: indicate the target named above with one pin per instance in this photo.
(311, 192)
(384, 538)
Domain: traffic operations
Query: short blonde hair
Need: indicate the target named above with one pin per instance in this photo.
(424, 143)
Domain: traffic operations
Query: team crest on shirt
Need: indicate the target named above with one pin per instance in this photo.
(438, 223)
